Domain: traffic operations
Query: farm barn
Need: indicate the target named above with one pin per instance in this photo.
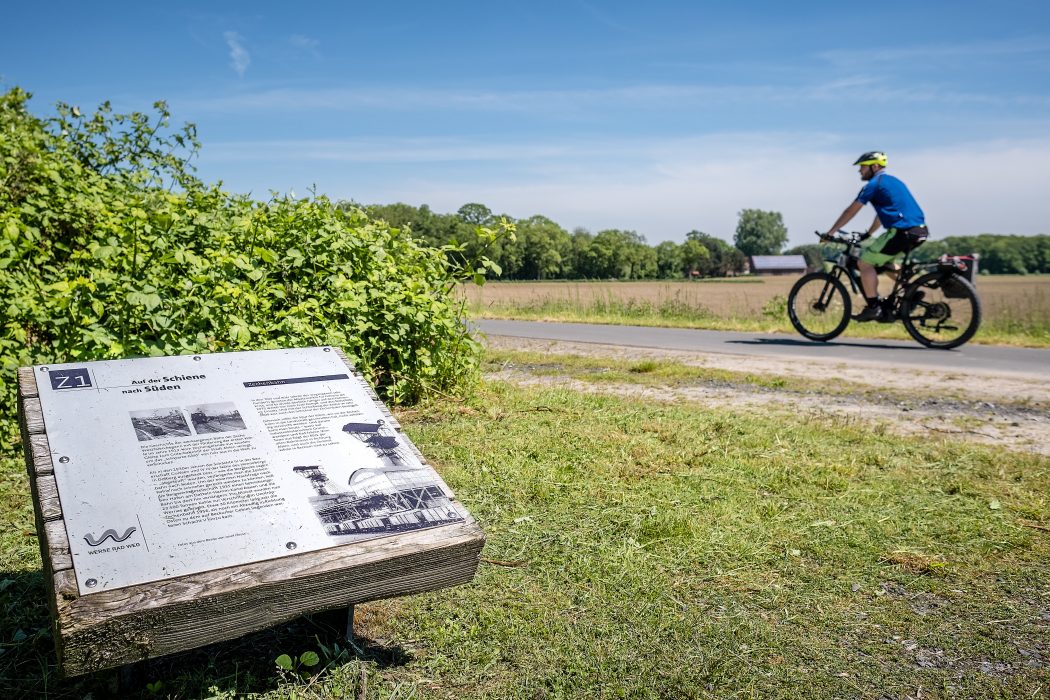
(777, 264)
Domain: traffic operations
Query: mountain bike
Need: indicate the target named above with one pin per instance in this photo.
(936, 301)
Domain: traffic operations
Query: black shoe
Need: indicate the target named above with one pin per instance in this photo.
(870, 313)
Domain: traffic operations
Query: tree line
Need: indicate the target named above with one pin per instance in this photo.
(542, 249)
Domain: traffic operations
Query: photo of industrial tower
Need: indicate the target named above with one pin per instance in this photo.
(398, 496)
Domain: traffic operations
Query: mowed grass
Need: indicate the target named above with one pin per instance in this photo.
(664, 373)
(641, 550)
(1016, 308)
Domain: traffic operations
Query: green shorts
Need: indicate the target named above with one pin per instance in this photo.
(873, 255)
(892, 244)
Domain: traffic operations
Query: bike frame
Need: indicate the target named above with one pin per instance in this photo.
(845, 265)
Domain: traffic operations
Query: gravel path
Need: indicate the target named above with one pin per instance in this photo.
(1011, 410)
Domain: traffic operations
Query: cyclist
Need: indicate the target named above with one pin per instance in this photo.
(897, 211)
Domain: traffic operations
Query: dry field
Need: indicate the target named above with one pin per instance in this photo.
(1016, 308)
(727, 298)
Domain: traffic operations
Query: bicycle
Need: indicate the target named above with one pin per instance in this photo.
(936, 301)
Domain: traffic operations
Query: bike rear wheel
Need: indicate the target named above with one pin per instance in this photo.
(818, 306)
(941, 310)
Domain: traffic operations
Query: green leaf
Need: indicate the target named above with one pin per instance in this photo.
(309, 658)
(284, 661)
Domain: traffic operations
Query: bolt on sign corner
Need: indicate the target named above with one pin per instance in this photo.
(177, 465)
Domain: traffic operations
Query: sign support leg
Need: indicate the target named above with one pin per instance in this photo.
(350, 624)
(126, 678)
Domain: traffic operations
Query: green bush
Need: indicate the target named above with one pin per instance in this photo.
(110, 247)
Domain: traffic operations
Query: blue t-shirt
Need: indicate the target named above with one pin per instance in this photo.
(892, 201)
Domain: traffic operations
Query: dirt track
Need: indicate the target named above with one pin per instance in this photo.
(1010, 410)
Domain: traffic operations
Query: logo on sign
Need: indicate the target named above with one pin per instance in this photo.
(108, 534)
(69, 379)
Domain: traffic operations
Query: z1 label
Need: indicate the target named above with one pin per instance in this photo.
(69, 379)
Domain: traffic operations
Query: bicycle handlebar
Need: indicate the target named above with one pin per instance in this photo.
(841, 236)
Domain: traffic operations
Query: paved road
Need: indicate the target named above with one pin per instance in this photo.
(976, 358)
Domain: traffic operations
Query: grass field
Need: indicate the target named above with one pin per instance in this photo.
(657, 550)
(1016, 308)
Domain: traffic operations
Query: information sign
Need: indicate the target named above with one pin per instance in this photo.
(178, 465)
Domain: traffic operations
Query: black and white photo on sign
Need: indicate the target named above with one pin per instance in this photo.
(159, 423)
(378, 501)
(215, 418)
(381, 438)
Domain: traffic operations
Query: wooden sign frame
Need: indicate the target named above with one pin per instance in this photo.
(110, 628)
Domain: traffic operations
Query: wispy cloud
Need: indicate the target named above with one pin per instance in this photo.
(810, 188)
(386, 151)
(542, 155)
(665, 187)
(970, 52)
(240, 59)
(305, 44)
(870, 89)
(603, 17)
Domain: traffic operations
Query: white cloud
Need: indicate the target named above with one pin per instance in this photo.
(664, 188)
(306, 44)
(240, 59)
(974, 51)
(864, 88)
(389, 151)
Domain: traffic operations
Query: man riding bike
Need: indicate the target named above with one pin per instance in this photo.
(895, 210)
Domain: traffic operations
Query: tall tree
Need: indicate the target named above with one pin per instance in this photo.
(545, 245)
(724, 258)
(475, 214)
(580, 258)
(696, 258)
(622, 255)
(760, 232)
(669, 259)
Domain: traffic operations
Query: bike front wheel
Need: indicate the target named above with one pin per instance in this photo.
(941, 310)
(818, 306)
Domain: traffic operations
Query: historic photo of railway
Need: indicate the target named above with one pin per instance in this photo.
(381, 439)
(379, 501)
(398, 496)
(215, 418)
(159, 423)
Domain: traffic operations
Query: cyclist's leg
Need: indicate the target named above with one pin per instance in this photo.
(871, 258)
(869, 279)
(882, 251)
(880, 256)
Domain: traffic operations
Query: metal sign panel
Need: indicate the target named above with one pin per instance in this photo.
(176, 465)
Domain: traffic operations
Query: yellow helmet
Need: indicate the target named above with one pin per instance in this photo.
(872, 158)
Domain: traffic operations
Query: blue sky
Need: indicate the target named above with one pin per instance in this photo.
(660, 117)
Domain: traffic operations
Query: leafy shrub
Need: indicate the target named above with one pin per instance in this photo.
(110, 247)
(776, 307)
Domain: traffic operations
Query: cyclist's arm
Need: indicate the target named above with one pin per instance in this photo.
(846, 217)
(875, 225)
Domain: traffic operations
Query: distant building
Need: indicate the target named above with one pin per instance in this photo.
(777, 264)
